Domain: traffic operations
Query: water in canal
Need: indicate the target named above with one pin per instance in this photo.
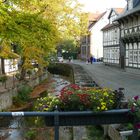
(14, 128)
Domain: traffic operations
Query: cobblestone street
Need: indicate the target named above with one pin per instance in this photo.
(111, 77)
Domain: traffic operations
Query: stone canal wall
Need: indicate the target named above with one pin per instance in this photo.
(7, 95)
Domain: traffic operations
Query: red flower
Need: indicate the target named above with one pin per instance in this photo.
(136, 98)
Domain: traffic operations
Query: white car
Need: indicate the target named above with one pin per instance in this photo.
(60, 59)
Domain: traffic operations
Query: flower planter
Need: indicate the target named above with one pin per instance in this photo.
(79, 118)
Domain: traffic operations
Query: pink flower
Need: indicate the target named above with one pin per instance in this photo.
(136, 98)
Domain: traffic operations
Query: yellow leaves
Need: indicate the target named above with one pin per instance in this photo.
(33, 54)
(6, 52)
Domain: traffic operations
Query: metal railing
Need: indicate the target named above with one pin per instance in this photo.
(72, 118)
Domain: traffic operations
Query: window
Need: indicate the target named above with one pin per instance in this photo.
(135, 56)
(130, 56)
(139, 56)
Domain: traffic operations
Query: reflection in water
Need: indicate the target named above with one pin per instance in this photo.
(10, 128)
(16, 129)
(59, 84)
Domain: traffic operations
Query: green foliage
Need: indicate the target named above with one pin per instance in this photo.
(36, 27)
(24, 92)
(68, 45)
(134, 105)
(61, 69)
(3, 78)
(29, 72)
(23, 95)
(30, 134)
(17, 101)
(126, 127)
(69, 48)
(17, 75)
(95, 133)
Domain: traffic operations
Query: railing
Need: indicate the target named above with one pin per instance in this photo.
(77, 118)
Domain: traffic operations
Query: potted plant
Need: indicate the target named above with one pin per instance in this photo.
(126, 130)
(134, 105)
(82, 106)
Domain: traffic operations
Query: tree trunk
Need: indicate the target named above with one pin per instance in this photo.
(2, 66)
(23, 71)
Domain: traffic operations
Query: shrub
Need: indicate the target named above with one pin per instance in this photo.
(31, 135)
(60, 69)
(23, 95)
(24, 92)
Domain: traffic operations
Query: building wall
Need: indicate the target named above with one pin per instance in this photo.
(85, 41)
(111, 49)
(130, 34)
(96, 37)
(6, 97)
(11, 65)
(132, 54)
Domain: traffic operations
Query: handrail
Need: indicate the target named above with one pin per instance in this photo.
(34, 113)
(57, 117)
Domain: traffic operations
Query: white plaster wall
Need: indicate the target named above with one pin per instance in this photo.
(11, 68)
(96, 44)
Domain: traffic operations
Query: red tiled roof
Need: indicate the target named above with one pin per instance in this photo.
(119, 10)
(95, 18)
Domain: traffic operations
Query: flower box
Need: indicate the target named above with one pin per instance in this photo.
(79, 118)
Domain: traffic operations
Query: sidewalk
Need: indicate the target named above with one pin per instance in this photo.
(111, 77)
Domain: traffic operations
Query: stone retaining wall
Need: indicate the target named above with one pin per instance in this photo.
(7, 95)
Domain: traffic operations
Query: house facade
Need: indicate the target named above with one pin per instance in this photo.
(85, 43)
(85, 40)
(8, 65)
(111, 37)
(96, 35)
(130, 35)
(11, 65)
(8, 61)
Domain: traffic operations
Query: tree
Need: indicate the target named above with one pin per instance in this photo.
(36, 26)
(33, 34)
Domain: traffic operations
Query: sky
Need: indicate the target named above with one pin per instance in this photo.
(102, 5)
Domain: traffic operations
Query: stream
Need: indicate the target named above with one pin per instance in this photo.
(13, 128)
